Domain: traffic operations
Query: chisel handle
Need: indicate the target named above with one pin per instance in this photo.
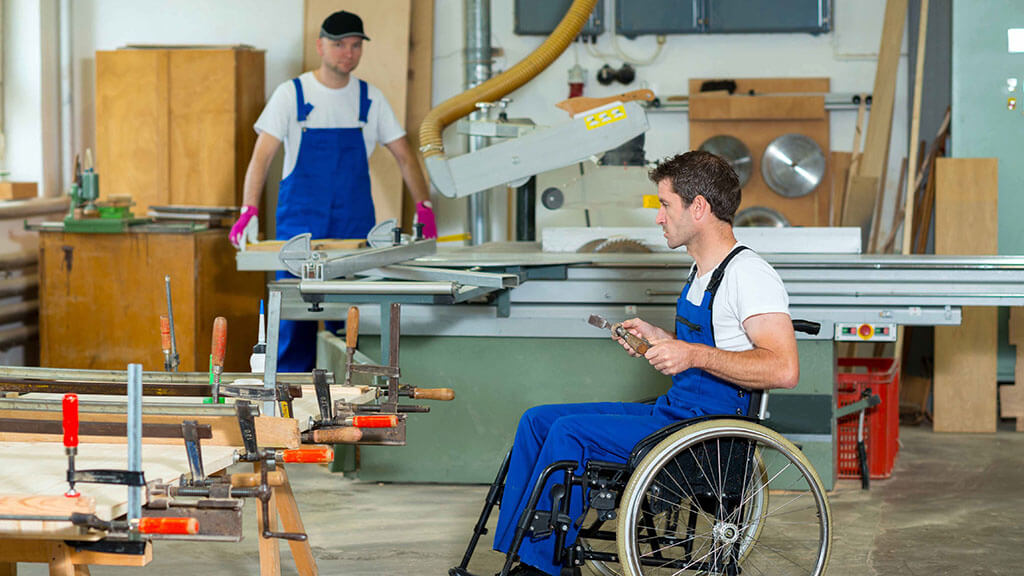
(638, 344)
(352, 327)
(314, 455)
(444, 394)
(344, 435)
(165, 333)
(220, 341)
(70, 420)
(155, 525)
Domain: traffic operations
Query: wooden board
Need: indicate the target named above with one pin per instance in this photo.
(420, 89)
(385, 64)
(18, 190)
(132, 125)
(966, 221)
(763, 107)
(840, 167)
(810, 210)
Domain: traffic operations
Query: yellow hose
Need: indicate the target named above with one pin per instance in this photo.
(492, 90)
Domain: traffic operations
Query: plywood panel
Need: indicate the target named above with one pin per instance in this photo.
(840, 168)
(202, 121)
(420, 90)
(966, 223)
(385, 64)
(250, 98)
(766, 107)
(132, 129)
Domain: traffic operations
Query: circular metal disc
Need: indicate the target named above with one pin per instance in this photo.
(552, 198)
(793, 165)
(734, 151)
(760, 216)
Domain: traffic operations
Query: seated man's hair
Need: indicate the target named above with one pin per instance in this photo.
(700, 173)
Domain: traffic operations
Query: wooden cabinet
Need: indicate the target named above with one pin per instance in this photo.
(175, 126)
(102, 296)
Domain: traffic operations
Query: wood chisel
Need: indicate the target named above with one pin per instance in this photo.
(351, 341)
(638, 344)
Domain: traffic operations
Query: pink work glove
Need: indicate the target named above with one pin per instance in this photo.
(425, 216)
(246, 229)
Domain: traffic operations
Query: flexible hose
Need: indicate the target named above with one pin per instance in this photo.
(493, 89)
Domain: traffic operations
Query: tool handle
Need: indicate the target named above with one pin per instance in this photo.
(865, 472)
(352, 327)
(345, 435)
(70, 411)
(220, 340)
(638, 344)
(444, 394)
(375, 421)
(155, 525)
(252, 479)
(314, 455)
(165, 333)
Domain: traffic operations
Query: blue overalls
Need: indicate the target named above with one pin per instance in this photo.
(608, 431)
(328, 195)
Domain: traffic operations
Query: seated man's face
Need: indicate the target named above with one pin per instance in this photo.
(673, 217)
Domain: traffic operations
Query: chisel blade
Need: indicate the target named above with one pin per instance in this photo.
(598, 321)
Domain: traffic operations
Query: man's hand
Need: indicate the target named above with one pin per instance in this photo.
(425, 216)
(246, 229)
(640, 328)
(670, 356)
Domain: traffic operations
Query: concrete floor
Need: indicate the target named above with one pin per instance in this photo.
(953, 506)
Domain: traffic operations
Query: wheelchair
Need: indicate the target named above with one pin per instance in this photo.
(714, 495)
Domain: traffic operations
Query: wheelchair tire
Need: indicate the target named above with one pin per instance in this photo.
(730, 527)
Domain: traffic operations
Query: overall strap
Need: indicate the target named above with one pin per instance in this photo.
(719, 273)
(304, 108)
(364, 102)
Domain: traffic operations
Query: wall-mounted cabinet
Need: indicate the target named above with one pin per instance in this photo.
(639, 17)
(540, 17)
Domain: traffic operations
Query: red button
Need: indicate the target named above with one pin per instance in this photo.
(865, 331)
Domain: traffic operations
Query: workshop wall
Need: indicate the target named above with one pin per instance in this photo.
(847, 56)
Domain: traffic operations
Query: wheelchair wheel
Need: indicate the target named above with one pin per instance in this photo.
(698, 503)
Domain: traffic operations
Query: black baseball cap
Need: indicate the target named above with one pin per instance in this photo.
(342, 24)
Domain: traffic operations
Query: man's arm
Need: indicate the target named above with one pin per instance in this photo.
(256, 174)
(411, 173)
(772, 363)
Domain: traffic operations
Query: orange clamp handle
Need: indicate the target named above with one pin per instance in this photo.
(315, 455)
(70, 420)
(375, 421)
(352, 327)
(220, 340)
(165, 332)
(155, 525)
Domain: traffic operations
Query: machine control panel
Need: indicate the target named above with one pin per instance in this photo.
(876, 332)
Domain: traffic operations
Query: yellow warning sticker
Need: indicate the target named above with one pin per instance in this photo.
(651, 201)
(605, 117)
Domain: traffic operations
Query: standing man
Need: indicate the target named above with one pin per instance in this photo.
(732, 334)
(330, 122)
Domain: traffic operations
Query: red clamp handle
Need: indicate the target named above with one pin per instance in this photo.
(315, 455)
(165, 332)
(375, 421)
(220, 340)
(154, 525)
(70, 421)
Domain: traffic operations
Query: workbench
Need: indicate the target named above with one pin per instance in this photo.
(530, 344)
(102, 295)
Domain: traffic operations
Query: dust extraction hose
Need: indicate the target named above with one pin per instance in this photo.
(458, 106)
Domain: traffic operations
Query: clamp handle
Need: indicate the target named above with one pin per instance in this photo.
(352, 327)
(374, 421)
(315, 455)
(443, 394)
(156, 525)
(70, 420)
(220, 342)
(165, 333)
(341, 435)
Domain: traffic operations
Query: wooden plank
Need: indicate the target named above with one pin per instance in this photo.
(44, 505)
(840, 162)
(250, 98)
(87, 558)
(967, 194)
(271, 432)
(420, 89)
(291, 521)
(860, 204)
(60, 560)
(132, 124)
(18, 190)
(768, 107)
(915, 124)
(269, 548)
(385, 64)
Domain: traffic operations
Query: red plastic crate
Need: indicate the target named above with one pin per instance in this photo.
(881, 423)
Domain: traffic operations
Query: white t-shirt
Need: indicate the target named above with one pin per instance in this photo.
(332, 108)
(750, 287)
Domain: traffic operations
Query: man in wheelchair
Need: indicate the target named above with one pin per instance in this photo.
(733, 337)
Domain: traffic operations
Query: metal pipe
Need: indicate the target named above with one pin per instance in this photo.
(478, 71)
(134, 429)
(526, 213)
(151, 378)
(273, 334)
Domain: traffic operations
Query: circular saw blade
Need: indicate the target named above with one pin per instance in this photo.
(733, 151)
(793, 165)
(622, 246)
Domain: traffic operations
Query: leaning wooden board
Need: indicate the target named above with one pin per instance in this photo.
(385, 64)
(966, 218)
